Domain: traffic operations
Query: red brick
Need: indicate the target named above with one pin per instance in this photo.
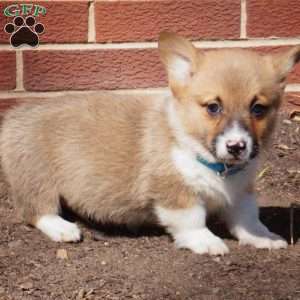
(121, 21)
(292, 101)
(277, 18)
(8, 70)
(4, 37)
(103, 69)
(65, 21)
(92, 69)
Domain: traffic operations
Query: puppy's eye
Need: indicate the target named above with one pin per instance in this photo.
(259, 110)
(214, 108)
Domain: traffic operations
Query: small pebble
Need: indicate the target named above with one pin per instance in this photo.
(217, 259)
(26, 286)
(287, 122)
(15, 244)
(216, 290)
(62, 254)
(98, 236)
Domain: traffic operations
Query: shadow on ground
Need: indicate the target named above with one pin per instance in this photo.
(277, 219)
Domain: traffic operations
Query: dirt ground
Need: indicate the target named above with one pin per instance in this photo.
(119, 264)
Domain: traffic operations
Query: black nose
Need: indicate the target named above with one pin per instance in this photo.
(235, 147)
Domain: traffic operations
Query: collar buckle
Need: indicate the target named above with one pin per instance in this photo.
(224, 173)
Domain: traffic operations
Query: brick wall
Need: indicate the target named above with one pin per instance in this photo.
(94, 45)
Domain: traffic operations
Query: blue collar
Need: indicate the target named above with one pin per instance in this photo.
(221, 169)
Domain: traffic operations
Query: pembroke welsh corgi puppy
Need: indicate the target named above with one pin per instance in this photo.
(144, 159)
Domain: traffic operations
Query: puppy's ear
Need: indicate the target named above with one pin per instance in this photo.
(180, 59)
(284, 62)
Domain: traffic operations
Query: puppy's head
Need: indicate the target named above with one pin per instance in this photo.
(226, 99)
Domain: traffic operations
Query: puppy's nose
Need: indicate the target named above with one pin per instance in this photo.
(235, 147)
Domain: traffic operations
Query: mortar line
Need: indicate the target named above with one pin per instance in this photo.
(91, 23)
(19, 71)
(144, 91)
(292, 87)
(243, 29)
(153, 45)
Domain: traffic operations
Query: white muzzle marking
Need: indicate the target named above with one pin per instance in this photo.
(235, 134)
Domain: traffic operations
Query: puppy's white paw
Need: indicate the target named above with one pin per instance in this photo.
(201, 241)
(58, 229)
(271, 241)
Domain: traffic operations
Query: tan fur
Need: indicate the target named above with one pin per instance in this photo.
(108, 156)
(236, 76)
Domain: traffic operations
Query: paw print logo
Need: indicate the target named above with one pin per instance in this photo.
(24, 31)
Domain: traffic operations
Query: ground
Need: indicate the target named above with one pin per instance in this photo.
(145, 265)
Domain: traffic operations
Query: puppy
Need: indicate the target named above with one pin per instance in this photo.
(171, 160)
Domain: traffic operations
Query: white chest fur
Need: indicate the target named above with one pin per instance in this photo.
(214, 190)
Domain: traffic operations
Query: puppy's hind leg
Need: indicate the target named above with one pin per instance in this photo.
(58, 229)
(51, 223)
(26, 161)
(40, 207)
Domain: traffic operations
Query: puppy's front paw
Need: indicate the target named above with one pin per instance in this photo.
(58, 229)
(201, 241)
(270, 241)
